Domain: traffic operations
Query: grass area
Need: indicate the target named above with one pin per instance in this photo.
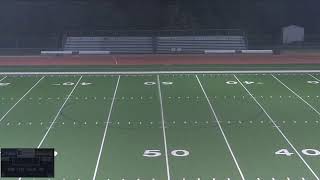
(171, 126)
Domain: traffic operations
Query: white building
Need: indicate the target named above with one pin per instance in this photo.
(292, 34)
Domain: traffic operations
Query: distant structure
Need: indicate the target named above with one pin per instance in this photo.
(292, 33)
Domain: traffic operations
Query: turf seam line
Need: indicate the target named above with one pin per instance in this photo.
(296, 94)
(221, 130)
(163, 129)
(106, 129)
(279, 130)
(157, 72)
(57, 115)
(22, 98)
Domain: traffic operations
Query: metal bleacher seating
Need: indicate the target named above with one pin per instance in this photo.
(117, 45)
(198, 44)
(155, 44)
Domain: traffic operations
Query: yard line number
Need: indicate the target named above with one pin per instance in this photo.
(151, 153)
(72, 83)
(307, 152)
(313, 82)
(245, 82)
(151, 83)
(2, 84)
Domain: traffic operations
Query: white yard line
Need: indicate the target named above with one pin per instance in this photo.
(3, 78)
(163, 129)
(57, 115)
(314, 77)
(279, 130)
(106, 129)
(157, 72)
(297, 95)
(21, 98)
(221, 130)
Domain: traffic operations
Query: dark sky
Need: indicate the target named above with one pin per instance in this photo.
(251, 15)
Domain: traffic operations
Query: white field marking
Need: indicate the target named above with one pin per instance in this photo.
(314, 77)
(158, 72)
(106, 128)
(221, 130)
(57, 115)
(163, 129)
(3, 78)
(279, 130)
(21, 98)
(115, 59)
(297, 95)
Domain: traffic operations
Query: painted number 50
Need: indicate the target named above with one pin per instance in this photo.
(157, 153)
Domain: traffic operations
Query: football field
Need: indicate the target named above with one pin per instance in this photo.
(167, 126)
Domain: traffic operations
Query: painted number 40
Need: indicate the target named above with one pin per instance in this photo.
(307, 152)
(157, 153)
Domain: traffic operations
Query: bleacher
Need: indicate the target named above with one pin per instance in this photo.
(116, 45)
(198, 44)
(156, 43)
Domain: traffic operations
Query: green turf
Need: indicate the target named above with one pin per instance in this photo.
(81, 111)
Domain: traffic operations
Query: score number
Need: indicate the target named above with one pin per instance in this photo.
(157, 153)
(307, 152)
